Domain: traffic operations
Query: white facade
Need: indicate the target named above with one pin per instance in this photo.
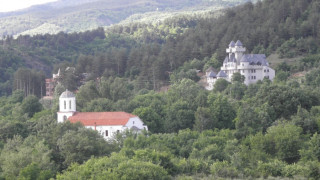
(253, 67)
(108, 132)
(67, 106)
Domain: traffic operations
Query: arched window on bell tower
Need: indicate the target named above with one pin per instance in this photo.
(70, 104)
(65, 104)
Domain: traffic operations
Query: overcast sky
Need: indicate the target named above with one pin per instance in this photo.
(12, 5)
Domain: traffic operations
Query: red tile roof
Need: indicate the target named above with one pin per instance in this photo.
(101, 118)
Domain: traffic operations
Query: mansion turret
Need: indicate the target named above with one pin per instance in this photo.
(253, 67)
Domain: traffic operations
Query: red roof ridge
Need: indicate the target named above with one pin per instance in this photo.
(101, 118)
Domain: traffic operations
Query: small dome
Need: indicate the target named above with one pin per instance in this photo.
(67, 94)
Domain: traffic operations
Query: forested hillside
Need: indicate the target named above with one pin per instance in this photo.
(264, 130)
(78, 16)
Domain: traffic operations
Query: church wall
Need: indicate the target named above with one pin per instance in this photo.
(136, 121)
(112, 130)
(62, 115)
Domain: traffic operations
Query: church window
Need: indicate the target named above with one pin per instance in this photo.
(70, 104)
(64, 118)
(264, 70)
(65, 104)
(107, 133)
(267, 70)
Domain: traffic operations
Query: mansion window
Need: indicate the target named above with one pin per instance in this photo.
(253, 77)
(107, 133)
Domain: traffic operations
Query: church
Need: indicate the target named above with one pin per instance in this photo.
(106, 123)
(253, 67)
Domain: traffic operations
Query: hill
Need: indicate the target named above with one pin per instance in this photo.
(146, 52)
(75, 16)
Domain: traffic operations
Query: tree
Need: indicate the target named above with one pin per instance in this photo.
(284, 141)
(237, 77)
(87, 93)
(220, 85)
(151, 118)
(311, 152)
(178, 116)
(203, 119)
(17, 154)
(222, 113)
(30, 105)
(78, 146)
(98, 105)
(184, 90)
(236, 90)
(305, 120)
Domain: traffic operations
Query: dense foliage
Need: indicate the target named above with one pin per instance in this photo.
(267, 129)
(148, 53)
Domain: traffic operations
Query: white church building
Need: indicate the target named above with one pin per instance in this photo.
(253, 67)
(106, 123)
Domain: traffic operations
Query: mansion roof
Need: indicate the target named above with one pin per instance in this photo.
(255, 59)
(221, 74)
(212, 74)
(101, 118)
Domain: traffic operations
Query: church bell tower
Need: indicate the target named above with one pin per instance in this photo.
(67, 106)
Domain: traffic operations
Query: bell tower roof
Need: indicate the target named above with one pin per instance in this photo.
(67, 94)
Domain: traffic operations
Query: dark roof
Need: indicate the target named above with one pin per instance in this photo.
(231, 44)
(212, 74)
(239, 43)
(67, 94)
(221, 74)
(226, 59)
(255, 59)
(210, 69)
(232, 59)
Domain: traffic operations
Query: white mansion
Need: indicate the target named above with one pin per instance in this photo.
(253, 67)
(106, 123)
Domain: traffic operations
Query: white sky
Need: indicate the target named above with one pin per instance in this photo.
(12, 5)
